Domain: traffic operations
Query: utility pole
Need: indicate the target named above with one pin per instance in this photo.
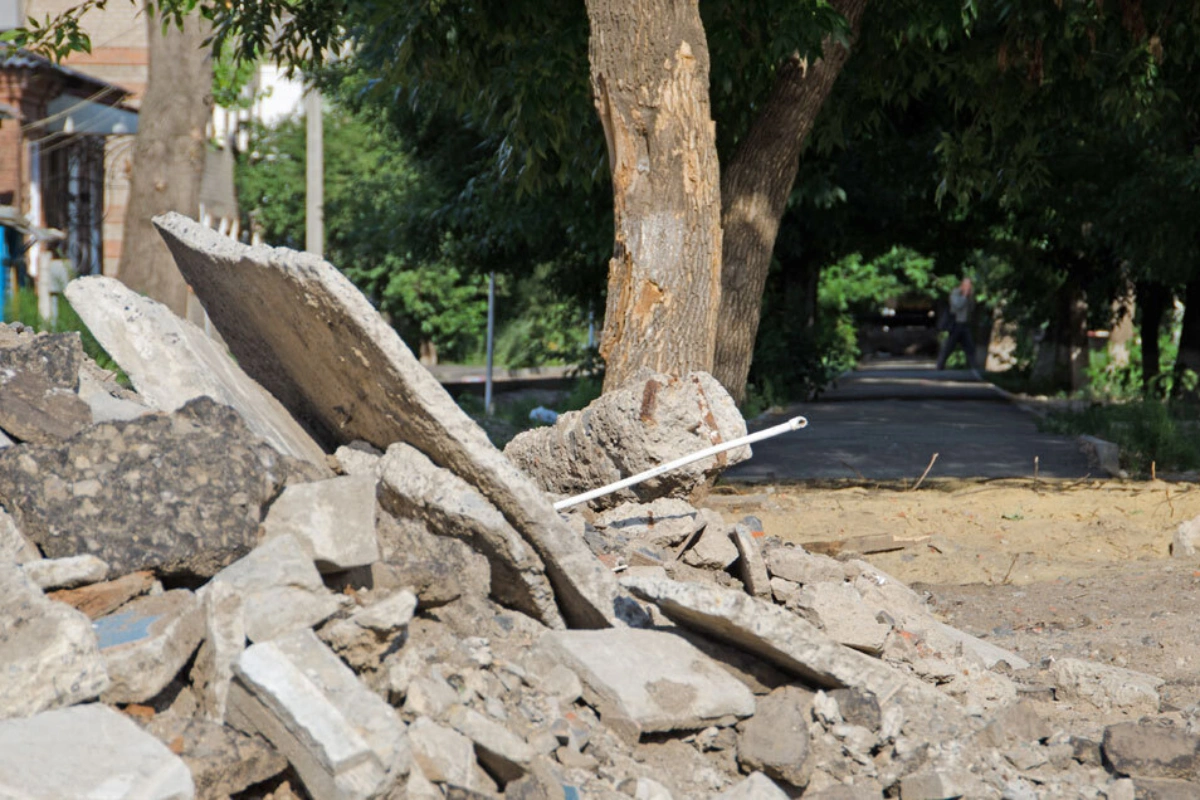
(314, 174)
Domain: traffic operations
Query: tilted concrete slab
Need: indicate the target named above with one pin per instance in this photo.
(301, 329)
(170, 361)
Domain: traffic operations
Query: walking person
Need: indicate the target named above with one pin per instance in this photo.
(962, 303)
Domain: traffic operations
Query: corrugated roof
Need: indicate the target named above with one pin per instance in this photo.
(17, 58)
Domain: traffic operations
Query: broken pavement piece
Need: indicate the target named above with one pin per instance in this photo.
(88, 751)
(333, 519)
(48, 652)
(413, 486)
(343, 740)
(147, 642)
(281, 588)
(344, 372)
(170, 361)
(66, 573)
(178, 493)
(797, 646)
(651, 420)
(656, 679)
(39, 378)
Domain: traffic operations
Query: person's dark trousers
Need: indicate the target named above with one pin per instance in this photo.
(960, 334)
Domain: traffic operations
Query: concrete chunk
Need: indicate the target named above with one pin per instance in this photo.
(444, 755)
(797, 646)
(64, 573)
(147, 642)
(714, 549)
(799, 566)
(775, 739)
(282, 589)
(170, 361)
(656, 679)
(666, 521)
(413, 486)
(14, 547)
(344, 741)
(755, 787)
(88, 751)
(101, 599)
(501, 752)
(1186, 541)
(1106, 687)
(39, 377)
(334, 520)
(1152, 750)
(48, 652)
(752, 569)
(340, 368)
(844, 616)
(224, 641)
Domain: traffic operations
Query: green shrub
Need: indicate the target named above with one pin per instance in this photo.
(1147, 431)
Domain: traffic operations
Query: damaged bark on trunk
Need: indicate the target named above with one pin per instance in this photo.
(168, 156)
(754, 191)
(650, 71)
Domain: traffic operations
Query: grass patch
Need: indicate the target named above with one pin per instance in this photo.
(1148, 432)
(22, 306)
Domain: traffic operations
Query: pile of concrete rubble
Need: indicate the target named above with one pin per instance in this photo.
(303, 571)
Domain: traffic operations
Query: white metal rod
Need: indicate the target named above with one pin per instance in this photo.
(794, 424)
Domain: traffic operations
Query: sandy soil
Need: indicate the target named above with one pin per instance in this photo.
(1044, 569)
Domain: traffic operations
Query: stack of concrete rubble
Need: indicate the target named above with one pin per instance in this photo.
(198, 602)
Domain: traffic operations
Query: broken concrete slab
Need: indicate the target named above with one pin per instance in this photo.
(372, 389)
(105, 406)
(39, 377)
(443, 754)
(649, 421)
(665, 521)
(14, 547)
(796, 565)
(181, 494)
(66, 573)
(656, 679)
(48, 652)
(751, 567)
(333, 519)
(282, 590)
(1106, 687)
(413, 486)
(797, 646)
(224, 641)
(775, 739)
(501, 752)
(756, 787)
(147, 642)
(714, 549)
(101, 599)
(88, 751)
(842, 614)
(1152, 749)
(222, 761)
(343, 740)
(170, 362)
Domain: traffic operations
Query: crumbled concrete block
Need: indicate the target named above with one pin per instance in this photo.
(343, 740)
(656, 679)
(1186, 541)
(714, 548)
(798, 566)
(752, 568)
(1153, 750)
(444, 755)
(359, 458)
(40, 376)
(775, 739)
(379, 393)
(841, 612)
(666, 521)
(756, 787)
(333, 520)
(88, 751)
(798, 647)
(501, 752)
(101, 599)
(282, 590)
(224, 641)
(1106, 687)
(49, 656)
(147, 642)
(66, 573)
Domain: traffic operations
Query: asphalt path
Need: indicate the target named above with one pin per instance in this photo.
(885, 420)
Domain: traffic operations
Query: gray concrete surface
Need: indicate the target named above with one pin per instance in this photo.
(885, 420)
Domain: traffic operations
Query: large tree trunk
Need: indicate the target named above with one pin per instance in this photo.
(1152, 299)
(754, 190)
(1189, 339)
(168, 156)
(649, 63)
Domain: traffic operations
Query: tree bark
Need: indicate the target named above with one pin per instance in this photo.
(754, 193)
(168, 156)
(1189, 339)
(650, 72)
(1152, 299)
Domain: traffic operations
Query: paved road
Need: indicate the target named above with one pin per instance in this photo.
(885, 420)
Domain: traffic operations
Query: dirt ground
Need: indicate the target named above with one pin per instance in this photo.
(1044, 569)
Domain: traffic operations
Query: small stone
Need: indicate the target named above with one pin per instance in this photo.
(714, 549)
(65, 573)
(573, 759)
(333, 520)
(88, 751)
(858, 707)
(147, 642)
(429, 696)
